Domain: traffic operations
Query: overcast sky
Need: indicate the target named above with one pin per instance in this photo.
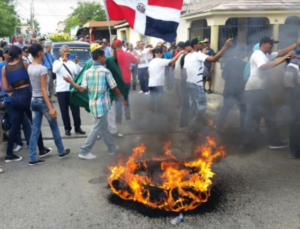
(48, 12)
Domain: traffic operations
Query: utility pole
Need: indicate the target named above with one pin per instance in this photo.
(32, 15)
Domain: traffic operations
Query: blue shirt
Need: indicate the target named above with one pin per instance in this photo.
(6, 99)
(46, 62)
(168, 56)
(107, 51)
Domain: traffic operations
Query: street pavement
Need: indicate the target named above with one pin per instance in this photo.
(255, 189)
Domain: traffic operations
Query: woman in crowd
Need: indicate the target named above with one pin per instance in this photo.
(15, 79)
(41, 105)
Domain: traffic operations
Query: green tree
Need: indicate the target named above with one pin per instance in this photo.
(36, 24)
(8, 18)
(83, 13)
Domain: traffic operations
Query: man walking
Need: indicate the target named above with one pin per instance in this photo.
(125, 59)
(259, 103)
(48, 63)
(98, 80)
(194, 65)
(209, 66)
(61, 68)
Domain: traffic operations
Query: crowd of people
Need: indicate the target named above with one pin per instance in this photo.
(28, 70)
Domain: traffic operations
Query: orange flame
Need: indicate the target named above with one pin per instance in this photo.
(182, 185)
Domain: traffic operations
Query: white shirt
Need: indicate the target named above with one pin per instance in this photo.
(258, 77)
(143, 58)
(157, 72)
(194, 65)
(61, 71)
(178, 69)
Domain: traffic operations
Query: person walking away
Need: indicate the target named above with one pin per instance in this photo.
(41, 105)
(15, 79)
(143, 68)
(209, 66)
(134, 67)
(177, 75)
(233, 93)
(61, 68)
(194, 66)
(169, 81)
(157, 79)
(125, 59)
(48, 63)
(97, 80)
(25, 57)
(258, 101)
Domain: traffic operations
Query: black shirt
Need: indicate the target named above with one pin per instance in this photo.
(210, 52)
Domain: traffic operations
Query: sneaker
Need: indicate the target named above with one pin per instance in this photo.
(118, 135)
(38, 162)
(89, 156)
(13, 158)
(209, 92)
(46, 152)
(279, 145)
(141, 92)
(147, 93)
(18, 148)
(112, 153)
(66, 152)
(99, 137)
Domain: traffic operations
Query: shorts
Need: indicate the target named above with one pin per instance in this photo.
(207, 75)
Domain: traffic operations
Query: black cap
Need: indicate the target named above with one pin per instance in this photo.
(158, 51)
(187, 43)
(196, 40)
(180, 44)
(268, 40)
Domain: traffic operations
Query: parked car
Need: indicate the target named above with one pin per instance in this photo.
(81, 49)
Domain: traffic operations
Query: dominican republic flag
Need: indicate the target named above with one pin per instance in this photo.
(156, 18)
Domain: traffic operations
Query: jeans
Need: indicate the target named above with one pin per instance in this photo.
(156, 99)
(20, 105)
(185, 107)
(64, 104)
(228, 102)
(144, 79)
(198, 105)
(100, 126)
(111, 121)
(50, 84)
(259, 105)
(26, 125)
(119, 106)
(169, 78)
(134, 72)
(39, 108)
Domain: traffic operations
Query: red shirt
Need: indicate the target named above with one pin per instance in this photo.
(125, 59)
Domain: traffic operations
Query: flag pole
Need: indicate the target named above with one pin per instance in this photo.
(108, 20)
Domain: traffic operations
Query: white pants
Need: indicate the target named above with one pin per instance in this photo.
(111, 120)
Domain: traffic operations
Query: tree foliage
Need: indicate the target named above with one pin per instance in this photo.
(83, 13)
(8, 18)
(36, 24)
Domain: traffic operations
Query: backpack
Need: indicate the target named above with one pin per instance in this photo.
(292, 74)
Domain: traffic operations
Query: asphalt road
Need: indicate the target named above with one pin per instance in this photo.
(254, 189)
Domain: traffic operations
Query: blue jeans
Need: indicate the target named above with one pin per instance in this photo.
(198, 105)
(39, 108)
(100, 126)
(144, 79)
(26, 125)
(20, 105)
(119, 107)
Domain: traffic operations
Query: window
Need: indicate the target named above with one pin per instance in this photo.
(124, 36)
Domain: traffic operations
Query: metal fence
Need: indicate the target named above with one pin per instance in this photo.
(247, 35)
(203, 32)
(288, 35)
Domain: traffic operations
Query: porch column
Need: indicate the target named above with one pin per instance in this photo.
(276, 35)
(214, 37)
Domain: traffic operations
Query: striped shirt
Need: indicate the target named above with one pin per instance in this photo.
(98, 80)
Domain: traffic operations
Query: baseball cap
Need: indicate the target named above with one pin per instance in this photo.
(87, 36)
(180, 44)
(196, 40)
(268, 40)
(94, 46)
(5, 49)
(118, 43)
(158, 51)
(187, 43)
(206, 40)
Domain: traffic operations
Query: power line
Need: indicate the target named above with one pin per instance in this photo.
(22, 6)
